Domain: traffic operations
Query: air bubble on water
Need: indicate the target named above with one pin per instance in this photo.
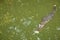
(15, 28)
(58, 28)
(38, 38)
(13, 19)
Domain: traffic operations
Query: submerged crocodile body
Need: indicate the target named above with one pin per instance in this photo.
(46, 19)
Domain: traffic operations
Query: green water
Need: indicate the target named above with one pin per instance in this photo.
(19, 18)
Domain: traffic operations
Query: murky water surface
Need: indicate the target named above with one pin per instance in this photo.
(19, 18)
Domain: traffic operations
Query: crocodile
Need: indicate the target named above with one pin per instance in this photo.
(46, 19)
